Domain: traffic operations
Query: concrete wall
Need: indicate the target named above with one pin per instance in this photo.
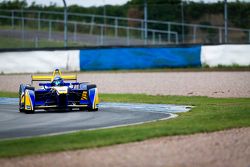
(226, 55)
(39, 61)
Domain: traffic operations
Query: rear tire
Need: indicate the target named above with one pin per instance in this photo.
(92, 110)
(90, 86)
(29, 111)
(21, 91)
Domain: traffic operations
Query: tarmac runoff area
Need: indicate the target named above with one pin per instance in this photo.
(17, 125)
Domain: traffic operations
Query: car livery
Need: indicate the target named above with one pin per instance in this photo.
(58, 94)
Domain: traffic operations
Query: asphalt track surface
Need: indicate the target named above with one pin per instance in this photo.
(14, 124)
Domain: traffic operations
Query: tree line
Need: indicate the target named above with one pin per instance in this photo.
(165, 10)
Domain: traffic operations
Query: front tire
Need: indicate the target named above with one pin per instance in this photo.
(29, 111)
(92, 110)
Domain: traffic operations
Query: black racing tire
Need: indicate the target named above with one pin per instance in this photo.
(90, 86)
(29, 111)
(20, 109)
(23, 87)
(92, 110)
(81, 109)
(21, 90)
(28, 87)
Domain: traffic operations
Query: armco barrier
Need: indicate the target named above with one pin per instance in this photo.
(107, 58)
(139, 58)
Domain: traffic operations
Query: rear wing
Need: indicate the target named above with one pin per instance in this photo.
(41, 78)
(50, 78)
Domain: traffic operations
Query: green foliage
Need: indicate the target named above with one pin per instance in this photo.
(16, 4)
(166, 10)
(209, 114)
(6, 42)
(8, 94)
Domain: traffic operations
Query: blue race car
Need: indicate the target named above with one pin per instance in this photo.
(58, 94)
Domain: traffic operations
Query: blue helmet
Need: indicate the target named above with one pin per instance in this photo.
(58, 81)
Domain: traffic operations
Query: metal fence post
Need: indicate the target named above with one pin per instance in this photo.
(225, 22)
(249, 36)
(65, 24)
(97, 40)
(22, 28)
(102, 35)
(220, 35)
(153, 37)
(142, 30)
(159, 39)
(116, 26)
(182, 21)
(36, 42)
(128, 39)
(169, 35)
(39, 18)
(194, 34)
(92, 25)
(12, 19)
(75, 30)
(49, 30)
(176, 38)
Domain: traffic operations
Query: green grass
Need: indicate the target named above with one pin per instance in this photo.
(8, 94)
(19, 43)
(210, 114)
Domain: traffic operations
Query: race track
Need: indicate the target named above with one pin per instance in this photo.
(15, 125)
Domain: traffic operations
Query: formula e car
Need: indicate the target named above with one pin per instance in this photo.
(58, 94)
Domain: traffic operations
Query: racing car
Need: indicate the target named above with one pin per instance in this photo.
(57, 94)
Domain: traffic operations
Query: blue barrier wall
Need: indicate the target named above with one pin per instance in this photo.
(139, 58)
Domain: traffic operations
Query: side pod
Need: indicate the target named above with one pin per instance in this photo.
(94, 99)
(29, 101)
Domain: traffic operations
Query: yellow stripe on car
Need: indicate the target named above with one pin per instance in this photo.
(28, 103)
(96, 100)
(22, 98)
(50, 78)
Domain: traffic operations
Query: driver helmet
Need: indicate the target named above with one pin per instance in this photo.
(58, 81)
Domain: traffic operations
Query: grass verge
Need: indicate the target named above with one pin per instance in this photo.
(210, 114)
(8, 94)
(7, 42)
